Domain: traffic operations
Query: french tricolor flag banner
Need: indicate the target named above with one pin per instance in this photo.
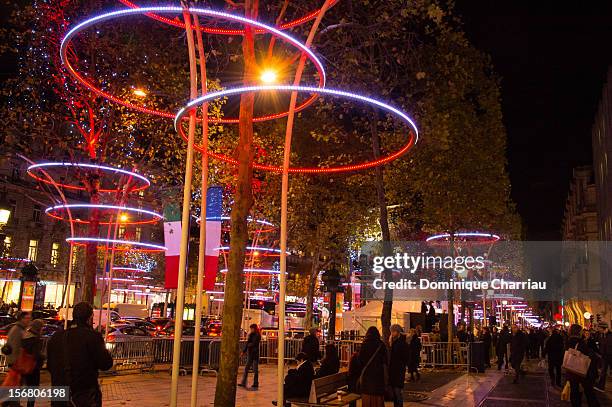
(214, 210)
(172, 241)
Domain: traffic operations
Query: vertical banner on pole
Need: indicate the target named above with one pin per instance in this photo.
(214, 209)
(172, 241)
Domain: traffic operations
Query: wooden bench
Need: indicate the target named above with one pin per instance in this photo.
(323, 392)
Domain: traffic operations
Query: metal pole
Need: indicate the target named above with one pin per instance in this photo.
(202, 247)
(283, 226)
(180, 291)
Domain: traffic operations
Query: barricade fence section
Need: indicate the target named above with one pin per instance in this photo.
(147, 353)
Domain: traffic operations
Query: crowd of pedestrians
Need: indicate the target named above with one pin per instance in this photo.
(74, 357)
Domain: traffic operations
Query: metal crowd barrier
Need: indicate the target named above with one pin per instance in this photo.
(436, 354)
(144, 354)
(132, 354)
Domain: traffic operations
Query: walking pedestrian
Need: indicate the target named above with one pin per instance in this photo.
(75, 356)
(251, 349)
(414, 356)
(554, 350)
(15, 337)
(501, 347)
(486, 339)
(330, 364)
(32, 344)
(373, 358)
(518, 348)
(310, 345)
(577, 341)
(606, 355)
(397, 363)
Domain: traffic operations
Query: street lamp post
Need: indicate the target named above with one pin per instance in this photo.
(331, 279)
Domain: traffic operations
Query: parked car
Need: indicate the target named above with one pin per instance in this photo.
(124, 333)
(188, 330)
(159, 323)
(138, 322)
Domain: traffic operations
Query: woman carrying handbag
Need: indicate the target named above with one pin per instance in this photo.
(372, 381)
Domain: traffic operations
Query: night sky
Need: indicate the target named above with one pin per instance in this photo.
(553, 59)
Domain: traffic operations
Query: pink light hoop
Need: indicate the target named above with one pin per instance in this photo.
(59, 212)
(413, 134)
(140, 182)
(122, 245)
(285, 26)
(66, 41)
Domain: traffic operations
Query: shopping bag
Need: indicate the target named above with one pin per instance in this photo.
(576, 362)
(565, 394)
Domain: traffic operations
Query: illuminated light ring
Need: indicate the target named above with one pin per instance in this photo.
(126, 280)
(486, 237)
(252, 248)
(413, 136)
(285, 26)
(144, 183)
(198, 11)
(155, 217)
(145, 246)
(256, 272)
(130, 269)
(271, 226)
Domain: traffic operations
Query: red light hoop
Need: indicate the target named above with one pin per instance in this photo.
(66, 42)
(59, 212)
(140, 182)
(285, 26)
(412, 133)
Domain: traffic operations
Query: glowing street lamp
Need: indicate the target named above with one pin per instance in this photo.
(123, 217)
(5, 212)
(269, 76)
(139, 92)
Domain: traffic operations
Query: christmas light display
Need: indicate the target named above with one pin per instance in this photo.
(476, 237)
(66, 42)
(413, 133)
(210, 30)
(59, 212)
(140, 182)
(121, 244)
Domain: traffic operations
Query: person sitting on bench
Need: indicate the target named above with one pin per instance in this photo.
(299, 380)
(330, 364)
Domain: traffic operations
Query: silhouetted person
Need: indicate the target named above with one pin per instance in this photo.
(310, 345)
(251, 349)
(76, 355)
(330, 364)
(554, 350)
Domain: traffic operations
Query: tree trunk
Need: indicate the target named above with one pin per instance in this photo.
(385, 317)
(225, 392)
(91, 250)
(312, 284)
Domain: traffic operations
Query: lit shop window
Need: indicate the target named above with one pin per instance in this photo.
(33, 250)
(55, 248)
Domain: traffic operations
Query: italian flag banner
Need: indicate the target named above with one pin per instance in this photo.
(172, 241)
(214, 210)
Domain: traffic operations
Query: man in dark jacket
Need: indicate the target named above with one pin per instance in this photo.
(310, 345)
(486, 339)
(501, 347)
(252, 351)
(298, 381)
(554, 350)
(518, 347)
(605, 346)
(397, 363)
(75, 356)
